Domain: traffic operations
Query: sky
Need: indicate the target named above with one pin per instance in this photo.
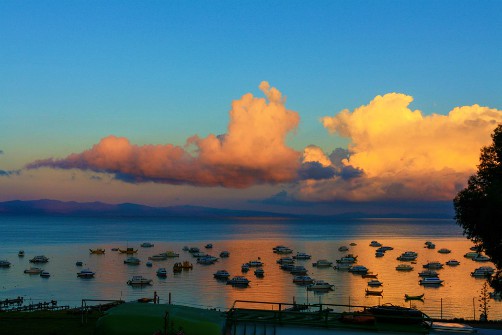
(318, 107)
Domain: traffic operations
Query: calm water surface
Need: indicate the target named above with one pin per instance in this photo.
(66, 240)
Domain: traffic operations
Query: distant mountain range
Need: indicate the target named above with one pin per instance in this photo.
(72, 208)
(100, 209)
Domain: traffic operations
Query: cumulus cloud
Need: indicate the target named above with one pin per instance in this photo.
(253, 151)
(398, 153)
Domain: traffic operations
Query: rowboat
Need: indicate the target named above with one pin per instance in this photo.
(414, 297)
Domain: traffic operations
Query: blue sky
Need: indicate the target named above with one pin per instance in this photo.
(158, 72)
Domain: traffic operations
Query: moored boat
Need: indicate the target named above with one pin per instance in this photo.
(221, 274)
(444, 251)
(453, 262)
(375, 283)
(171, 254)
(147, 245)
(238, 281)
(255, 263)
(245, 267)
(128, 251)
(45, 274)
(432, 281)
(98, 251)
(259, 272)
(21, 253)
(298, 270)
(33, 270)
(303, 280)
(350, 259)
(322, 263)
(373, 292)
(4, 263)
(433, 265)
(375, 244)
(483, 272)
(358, 269)
(39, 259)
(414, 297)
(370, 275)
(79, 263)
(343, 266)
(132, 261)
(186, 265)
(139, 281)
(428, 273)
(86, 273)
(158, 257)
(320, 285)
(404, 267)
(343, 248)
(285, 260)
(224, 254)
(302, 256)
(162, 272)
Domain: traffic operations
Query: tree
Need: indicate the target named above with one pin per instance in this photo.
(478, 207)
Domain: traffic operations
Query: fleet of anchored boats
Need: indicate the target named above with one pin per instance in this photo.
(428, 277)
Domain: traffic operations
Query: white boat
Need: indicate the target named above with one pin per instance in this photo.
(444, 251)
(430, 281)
(85, 273)
(146, 245)
(320, 285)
(4, 263)
(428, 273)
(358, 269)
(342, 266)
(375, 283)
(298, 270)
(33, 270)
(132, 261)
(45, 274)
(343, 248)
(238, 281)
(259, 272)
(303, 280)
(158, 257)
(139, 281)
(255, 263)
(302, 255)
(285, 260)
(453, 262)
(224, 254)
(375, 244)
(39, 259)
(221, 274)
(322, 263)
(162, 272)
(483, 272)
(433, 265)
(404, 267)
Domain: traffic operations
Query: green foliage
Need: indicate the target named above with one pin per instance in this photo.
(484, 299)
(478, 207)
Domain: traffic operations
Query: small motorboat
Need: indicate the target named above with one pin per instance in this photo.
(224, 254)
(431, 281)
(158, 257)
(238, 281)
(322, 263)
(149, 264)
(375, 244)
(471, 254)
(147, 245)
(287, 267)
(375, 283)
(221, 274)
(353, 244)
(343, 248)
(298, 270)
(128, 251)
(79, 263)
(21, 253)
(285, 260)
(86, 273)
(433, 265)
(303, 280)
(483, 272)
(283, 250)
(132, 261)
(379, 254)
(97, 251)
(349, 259)
(481, 258)
(444, 251)
(302, 256)
(414, 297)
(193, 250)
(259, 272)
(207, 260)
(255, 263)
(171, 254)
(39, 259)
(343, 266)
(185, 248)
(372, 292)
(45, 274)
(33, 270)
(359, 269)
(139, 281)
(209, 246)
(245, 267)
(4, 263)
(408, 256)
(320, 285)
(428, 273)
(162, 272)
(404, 267)
(453, 262)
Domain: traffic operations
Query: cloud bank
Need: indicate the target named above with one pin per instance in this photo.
(253, 151)
(398, 153)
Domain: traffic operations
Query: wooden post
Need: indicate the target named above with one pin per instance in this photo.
(441, 308)
(169, 298)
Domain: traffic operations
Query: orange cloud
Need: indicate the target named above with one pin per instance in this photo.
(252, 152)
(403, 154)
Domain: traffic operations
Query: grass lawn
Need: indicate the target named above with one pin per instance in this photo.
(47, 323)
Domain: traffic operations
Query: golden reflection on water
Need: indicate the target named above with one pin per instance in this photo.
(197, 287)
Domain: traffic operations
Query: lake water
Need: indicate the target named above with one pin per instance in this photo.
(67, 240)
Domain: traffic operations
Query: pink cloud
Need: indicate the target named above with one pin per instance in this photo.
(253, 151)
